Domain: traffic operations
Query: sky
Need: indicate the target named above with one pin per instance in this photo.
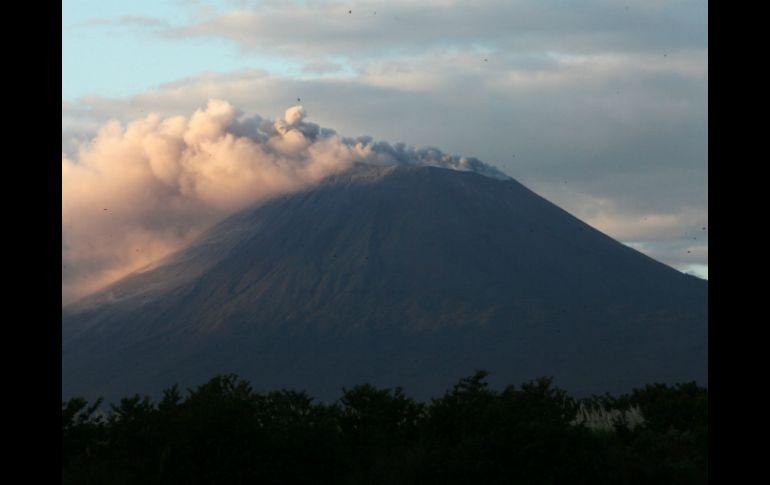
(599, 106)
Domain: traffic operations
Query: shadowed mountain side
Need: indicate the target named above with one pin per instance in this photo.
(411, 276)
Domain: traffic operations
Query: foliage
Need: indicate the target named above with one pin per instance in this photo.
(225, 433)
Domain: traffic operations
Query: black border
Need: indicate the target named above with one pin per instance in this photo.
(32, 241)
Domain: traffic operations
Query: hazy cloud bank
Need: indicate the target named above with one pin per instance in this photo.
(369, 29)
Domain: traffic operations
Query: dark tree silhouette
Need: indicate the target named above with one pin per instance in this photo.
(223, 432)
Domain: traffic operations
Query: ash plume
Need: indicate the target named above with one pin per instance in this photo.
(136, 193)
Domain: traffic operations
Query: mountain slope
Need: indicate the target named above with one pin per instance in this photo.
(395, 275)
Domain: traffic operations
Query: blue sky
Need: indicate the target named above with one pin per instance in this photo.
(113, 60)
(599, 105)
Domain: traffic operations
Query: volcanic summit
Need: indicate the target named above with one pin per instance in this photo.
(395, 275)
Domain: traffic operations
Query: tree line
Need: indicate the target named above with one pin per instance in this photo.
(223, 432)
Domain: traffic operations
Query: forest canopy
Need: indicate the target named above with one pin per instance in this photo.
(224, 432)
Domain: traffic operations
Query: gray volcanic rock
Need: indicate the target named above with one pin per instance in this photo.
(393, 275)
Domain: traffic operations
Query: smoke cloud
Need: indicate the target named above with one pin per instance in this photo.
(134, 194)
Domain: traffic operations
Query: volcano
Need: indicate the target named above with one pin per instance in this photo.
(407, 276)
